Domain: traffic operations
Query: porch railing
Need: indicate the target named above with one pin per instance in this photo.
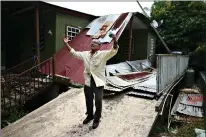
(17, 69)
(24, 86)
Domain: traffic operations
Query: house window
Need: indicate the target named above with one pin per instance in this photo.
(71, 32)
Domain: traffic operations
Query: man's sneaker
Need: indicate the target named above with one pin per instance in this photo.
(95, 124)
(87, 120)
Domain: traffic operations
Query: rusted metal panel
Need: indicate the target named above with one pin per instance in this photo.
(188, 104)
(169, 69)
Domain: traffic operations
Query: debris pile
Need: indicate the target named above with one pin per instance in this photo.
(188, 106)
(138, 79)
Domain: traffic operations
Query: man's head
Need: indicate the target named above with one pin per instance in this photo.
(95, 45)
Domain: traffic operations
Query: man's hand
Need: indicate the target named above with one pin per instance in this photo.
(66, 40)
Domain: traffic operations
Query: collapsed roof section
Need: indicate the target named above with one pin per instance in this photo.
(72, 68)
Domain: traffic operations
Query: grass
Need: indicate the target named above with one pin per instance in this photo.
(181, 129)
(14, 115)
(188, 129)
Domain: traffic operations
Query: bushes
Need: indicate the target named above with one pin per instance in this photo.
(198, 59)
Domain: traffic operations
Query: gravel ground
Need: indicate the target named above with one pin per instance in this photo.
(122, 116)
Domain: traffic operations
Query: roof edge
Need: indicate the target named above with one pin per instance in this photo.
(69, 10)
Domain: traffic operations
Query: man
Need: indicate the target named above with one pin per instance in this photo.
(94, 74)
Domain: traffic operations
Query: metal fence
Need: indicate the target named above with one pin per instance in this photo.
(169, 69)
(22, 87)
(17, 69)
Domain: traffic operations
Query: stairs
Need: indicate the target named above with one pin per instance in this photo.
(18, 88)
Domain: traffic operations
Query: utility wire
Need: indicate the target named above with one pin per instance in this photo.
(165, 45)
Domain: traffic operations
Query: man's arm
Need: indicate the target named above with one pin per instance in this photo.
(112, 52)
(74, 53)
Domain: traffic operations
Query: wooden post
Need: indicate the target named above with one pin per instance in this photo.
(37, 35)
(54, 67)
(130, 38)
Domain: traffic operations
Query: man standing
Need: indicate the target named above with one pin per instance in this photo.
(94, 74)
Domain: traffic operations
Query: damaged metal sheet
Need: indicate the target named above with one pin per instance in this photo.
(97, 24)
(143, 86)
(122, 67)
(148, 85)
(192, 99)
(135, 93)
(190, 110)
(141, 64)
(134, 76)
(118, 82)
(125, 67)
(130, 74)
(112, 88)
(187, 106)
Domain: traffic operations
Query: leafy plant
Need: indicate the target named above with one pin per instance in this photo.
(182, 24)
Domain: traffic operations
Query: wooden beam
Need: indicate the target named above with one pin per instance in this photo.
(37, 35)
(130, 38)
(23, 10)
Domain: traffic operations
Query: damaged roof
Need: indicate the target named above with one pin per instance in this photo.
(72, 68)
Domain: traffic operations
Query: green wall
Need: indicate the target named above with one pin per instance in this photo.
(62, 21)
(19, 35)
(48, 20)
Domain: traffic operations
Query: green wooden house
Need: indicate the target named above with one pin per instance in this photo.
(25, 25)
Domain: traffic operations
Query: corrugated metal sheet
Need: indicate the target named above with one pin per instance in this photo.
(122, 67)
(190, 110)
(169, 69)
(139, 94)
(73, 68)
(187, 106)
(125, 67)
(148, 85)
(144, 85)
(134, 75)
(118, 82)
(192, 99)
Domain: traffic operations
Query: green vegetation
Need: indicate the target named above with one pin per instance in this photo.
(178, 129)
(181, 24)
(14, 115)
(188, 129)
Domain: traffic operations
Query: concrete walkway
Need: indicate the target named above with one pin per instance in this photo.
(123, 116)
